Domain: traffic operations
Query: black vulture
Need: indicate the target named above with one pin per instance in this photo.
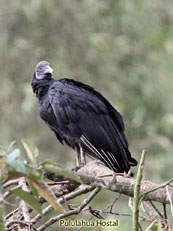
(82, 118)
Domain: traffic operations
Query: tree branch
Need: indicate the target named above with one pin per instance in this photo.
(94, 177)
(95, 174)
(69, 196)
(71, 212)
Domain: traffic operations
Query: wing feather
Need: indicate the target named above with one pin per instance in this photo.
(84, 114)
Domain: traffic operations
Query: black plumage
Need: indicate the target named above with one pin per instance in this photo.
(82, 118)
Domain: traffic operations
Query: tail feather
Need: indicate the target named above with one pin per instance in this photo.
(131, 160)
(108, 158)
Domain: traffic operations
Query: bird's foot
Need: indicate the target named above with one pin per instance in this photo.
(129, 174)
(75, 169)
(78, 167)
(114, 179)
(114, 175)
(124, 174)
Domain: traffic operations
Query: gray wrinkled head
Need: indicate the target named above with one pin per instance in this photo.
(43, 70)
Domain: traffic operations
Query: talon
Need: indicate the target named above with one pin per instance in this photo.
(75, 169)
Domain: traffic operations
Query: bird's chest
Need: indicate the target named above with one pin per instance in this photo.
(45, 111)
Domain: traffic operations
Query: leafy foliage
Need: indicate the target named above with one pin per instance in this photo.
(14, 167)
(47, 194)
(13, 160)
(27, 197)
(61, 170)
(33, 187)
(31, 150)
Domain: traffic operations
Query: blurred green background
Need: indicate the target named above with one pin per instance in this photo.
(122, 48)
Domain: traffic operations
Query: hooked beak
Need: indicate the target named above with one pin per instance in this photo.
(48, 70)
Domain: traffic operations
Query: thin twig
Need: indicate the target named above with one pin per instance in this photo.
(11, 214)
(57, 182)
(151, 224)
(156, 188)
(115, 213)
(170, 199)
(136, 198)
(164, 211)
(23, 208)
(113, 203)
(155, 208)
(71, 212)
(69, 196)
(10, 182)
(12, 222)
(44, 212)
(80, 191)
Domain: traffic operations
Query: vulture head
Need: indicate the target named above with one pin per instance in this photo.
(43, 70)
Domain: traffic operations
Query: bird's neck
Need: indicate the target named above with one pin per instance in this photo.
(40, 87)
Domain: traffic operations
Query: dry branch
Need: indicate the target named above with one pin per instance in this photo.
(94, 176)
(70, 212)
(97, 175)
(82, 190)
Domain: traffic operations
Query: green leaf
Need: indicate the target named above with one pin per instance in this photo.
(14, 161)
(34, 174)
(13, 174)
(13, 155)
(11, 145)
(154, 227)
(53, 167)
(31, 150)
(32, 187)
(28, 198)
(48, 195)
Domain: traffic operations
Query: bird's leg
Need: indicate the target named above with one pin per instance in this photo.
(78, 158)
(82, 156)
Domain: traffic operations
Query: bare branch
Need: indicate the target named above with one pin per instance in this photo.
(23, 208)
(10, 182)
(82, 190)
(155, 188)
(71, 212)
(157, 211)
(92, 174)
(14, 222)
